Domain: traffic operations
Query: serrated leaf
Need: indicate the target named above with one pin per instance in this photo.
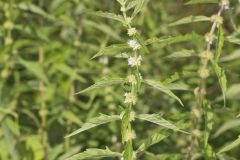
(94, 154)
(174, 39)
(152, 140)
(190, 19)
(219, 43)
(157, 119)
(201, 2)
(111, 50)
(103, 83)
(109, 16)
(35, 68)
(182, 54)
(158, 85)
(102, 119)
(138, 7)
(221, 78)
(230, 146)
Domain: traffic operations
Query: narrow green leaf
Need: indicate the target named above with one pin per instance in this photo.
(221, 78)
(35, 68)
(108, 15)
(178, 86)
(27, 6)
(141, 42)
(201, 2)
(131, 4)
(219, 43)
(230, 146)
(94, 154)
(102, 119)
(71, 117)
(138, 7)
(157, 119)
(174, 39)
(125, 123)
(182, 54)
(103, 83)
(102, 27)
(231, 124)
(112, 50)
(231, 57)
(190, 19)
(152, 140)
(158, 85)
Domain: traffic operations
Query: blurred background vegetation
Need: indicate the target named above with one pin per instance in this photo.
(45, 52)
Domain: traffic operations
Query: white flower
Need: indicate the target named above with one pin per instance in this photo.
(132, 31)
(134, 61)
(131, 79)
(209, 38)
(130, 134)
(134, 44)
(130, 98)
(225, 4)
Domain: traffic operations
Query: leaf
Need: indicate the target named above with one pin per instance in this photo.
(190, 19)
(174, 39)
(35, 68)
(131, 4)
(200, 2)
(153, 139)
(64, 68)
(182, 54)
(94, 154)
(102, 27)
(233, 39)
(71, 117)
(178, 86)
(103, 83)
(219, 43)
(155, 118)
(221, 78)
(102, 119)
(138, 7)
(231, 124)
(231, 57)
(109, 16)
(111, 50)
(158, 85)
(26, 6)
(230, 146)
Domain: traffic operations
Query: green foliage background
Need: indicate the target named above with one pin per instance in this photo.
(45, 58)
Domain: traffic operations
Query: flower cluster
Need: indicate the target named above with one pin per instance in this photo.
(209, 38)
(225, 4)
(132, 31)
(131, 79)
(130, 98)
(134, 44)
(134, 61)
